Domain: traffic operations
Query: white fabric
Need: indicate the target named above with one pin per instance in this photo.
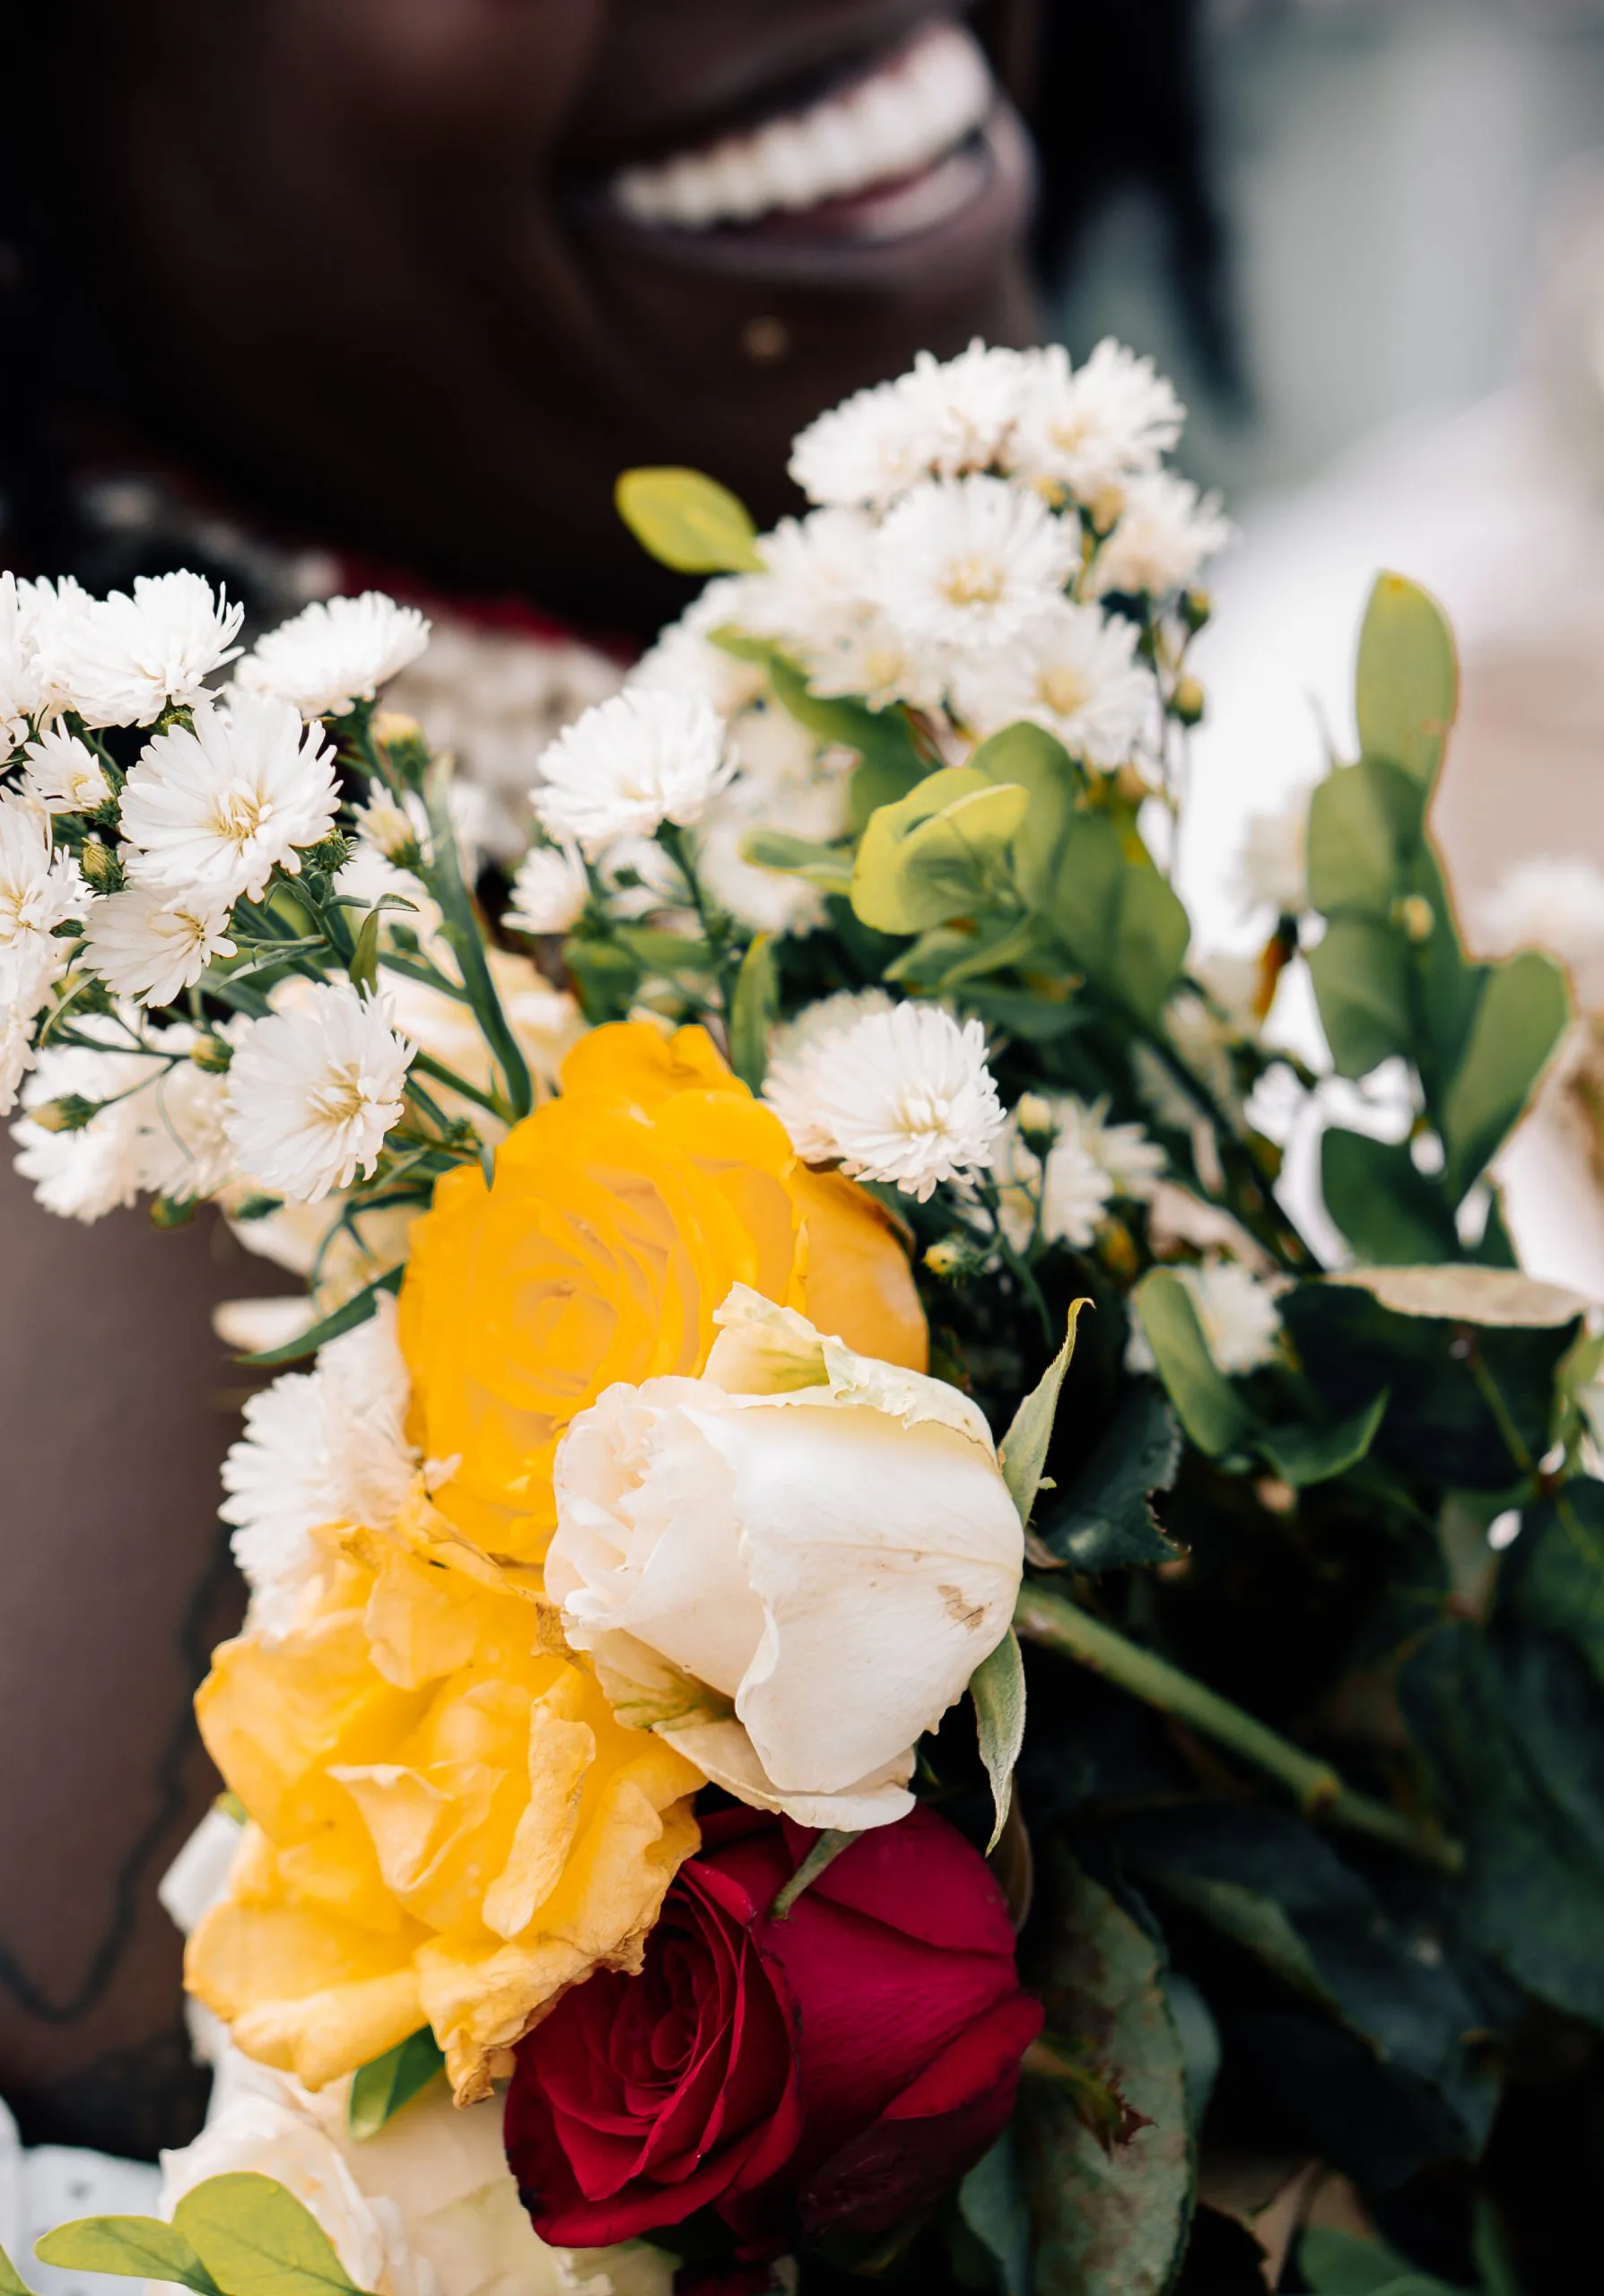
(46, 2185)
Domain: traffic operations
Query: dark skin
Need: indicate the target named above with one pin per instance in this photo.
(404, 322)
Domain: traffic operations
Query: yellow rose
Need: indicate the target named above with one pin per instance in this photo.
(622, 1214)
(448, 1825)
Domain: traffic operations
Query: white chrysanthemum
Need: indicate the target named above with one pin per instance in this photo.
(685, 660)
(1550, 902)
(549, 892)
(1134, 1163)
(39, 889)
(1087, 428)
(812, 590)
(641, 759)
(314, 1089)
(970, 563)
(788, 1087)
(123, 660)
(62, 774)
(905, 1097)
(1070, 1189)
(152, 943)
(16, 1053)
(321, 1448)
(1271, 869)
(1237, 1312)
(219, 807)
(336, 653)
(784, 781)
(185, 1150)
(83, 1175)
(1073, 670)
(1164, 534)
(942, 420)
(32, 613)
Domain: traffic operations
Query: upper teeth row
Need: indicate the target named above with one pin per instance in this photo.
(892, 124)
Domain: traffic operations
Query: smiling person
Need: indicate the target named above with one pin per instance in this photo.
(315, 286)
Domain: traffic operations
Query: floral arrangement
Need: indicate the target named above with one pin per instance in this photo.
(817, 1237)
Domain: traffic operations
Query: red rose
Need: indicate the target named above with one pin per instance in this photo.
(830, 2072)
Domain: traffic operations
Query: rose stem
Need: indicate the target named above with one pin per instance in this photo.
(1057, 1624)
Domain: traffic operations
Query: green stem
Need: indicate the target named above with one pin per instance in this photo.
(426, 1063)
(1057, 1624)
(444, 879)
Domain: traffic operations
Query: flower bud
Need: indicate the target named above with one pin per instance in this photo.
(1188, 702)
(173, 1211)
(1197, 607)
(70, 1113)
(102, 868)
(952, 1258)
(1416, 915)
(1035, 1117)
(329, 855)
(212, 1053)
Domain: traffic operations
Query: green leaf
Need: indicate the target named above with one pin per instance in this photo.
(460, 922)
(1105, 1521)
(1022, 1454)
(997, 1688)
(1388, 1210)
(364, 968)
(991, 2202)
(130, 2248)
(1553, 1576)
(1364, 822)
(1151, 937)
(688, 521)
(1513, 1721)
(1211, 1411)
(1306, 1454)
(1522, 1013)
(929, 856)
(606, 977)
(828, 866)
(753, 1010)
(1120, 921)
(379, 2088)
(11, 2282)
(1030, 755)
(357, 1310)
(1360, 971)
(256, 2239)
(1336, 2264)
(1406, 685)
(1110, 2216)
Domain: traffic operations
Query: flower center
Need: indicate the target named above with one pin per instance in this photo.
(340, 1097)
(974, 579)
(1064, 691)
(923, 1110)
(238, 815)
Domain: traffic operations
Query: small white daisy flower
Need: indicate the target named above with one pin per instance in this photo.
(313, 1090)
(31, 614)
(906, 1097)
(970, 563)
(1164, 534)
(627, 766)
(16, 1052)
(84, 1174)
(62, 774)
(1071, 1187)
(184, 1148)
(788, 1087)
(392, 827)
(336, 653)
(124, 659)
(1087, 428)
(1271, 869)
(1073, 670)
(549, 892)
(39, 889)
(152, 943)
(324, 1447)
(944, 419)
(1134, 1163)
(219, 807)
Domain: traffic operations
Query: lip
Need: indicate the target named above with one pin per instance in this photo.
(967, 204)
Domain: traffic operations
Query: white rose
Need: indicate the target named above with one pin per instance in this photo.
(789, 1568)
(427, 2207)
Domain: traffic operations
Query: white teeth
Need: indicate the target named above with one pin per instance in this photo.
(900, 120)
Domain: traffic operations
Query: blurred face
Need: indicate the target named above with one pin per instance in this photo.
(429, 272)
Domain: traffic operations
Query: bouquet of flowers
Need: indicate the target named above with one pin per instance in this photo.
(819, 1238)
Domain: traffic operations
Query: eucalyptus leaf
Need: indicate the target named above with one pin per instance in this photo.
(1522, 1014)
(929, 856)
(754, 1009)
(688, 521)
(1389, 1210)
(1210, 1410)
(997, 1688)
(828, 866)
(11, 2282)
(256, 2239)
(1309, 1455)
(1110, 2217)
(129, 2247)
(1364, 821)
(379, 2088)
(1407, 684)
(1361, 977)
